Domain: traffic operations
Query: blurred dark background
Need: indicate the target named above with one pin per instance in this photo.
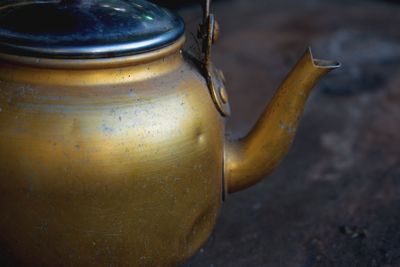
(335, 200)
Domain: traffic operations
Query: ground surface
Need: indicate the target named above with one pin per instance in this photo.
(335, 200)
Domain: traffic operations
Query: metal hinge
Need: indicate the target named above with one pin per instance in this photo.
(208, 33)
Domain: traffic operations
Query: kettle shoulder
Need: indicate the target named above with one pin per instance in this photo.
(173, 105)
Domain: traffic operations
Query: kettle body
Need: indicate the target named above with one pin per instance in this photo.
(114, 166)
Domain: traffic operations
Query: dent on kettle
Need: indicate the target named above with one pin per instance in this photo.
(251, 158)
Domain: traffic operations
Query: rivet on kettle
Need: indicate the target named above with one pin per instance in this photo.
(223, 94)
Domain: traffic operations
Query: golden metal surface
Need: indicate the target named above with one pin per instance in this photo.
(121, 161)
(113, 167)
(250, 159)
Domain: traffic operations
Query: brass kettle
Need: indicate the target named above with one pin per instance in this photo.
(112, 146)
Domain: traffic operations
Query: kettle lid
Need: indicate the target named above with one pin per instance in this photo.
(85, 28)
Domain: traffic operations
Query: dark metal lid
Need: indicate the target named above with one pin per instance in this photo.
(86, 28)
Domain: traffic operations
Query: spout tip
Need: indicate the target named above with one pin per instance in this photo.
(323, 64)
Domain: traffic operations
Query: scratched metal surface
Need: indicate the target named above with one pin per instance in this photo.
(335, 200)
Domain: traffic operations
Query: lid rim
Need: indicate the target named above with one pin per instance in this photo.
(94, 63)
(96, 51)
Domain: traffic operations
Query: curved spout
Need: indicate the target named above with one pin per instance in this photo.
(250, 159)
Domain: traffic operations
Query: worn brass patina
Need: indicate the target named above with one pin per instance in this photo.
(123, 161)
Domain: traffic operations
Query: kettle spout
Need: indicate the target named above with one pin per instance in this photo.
(251, 158)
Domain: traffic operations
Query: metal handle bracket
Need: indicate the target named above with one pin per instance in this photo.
(208, 34)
